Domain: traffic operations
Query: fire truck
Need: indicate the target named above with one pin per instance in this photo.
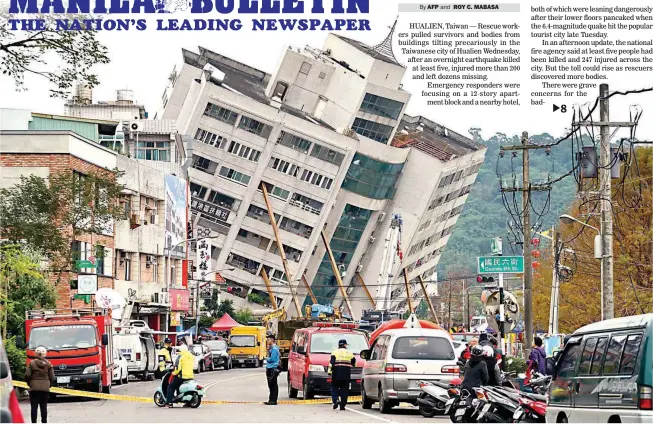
(79, 344)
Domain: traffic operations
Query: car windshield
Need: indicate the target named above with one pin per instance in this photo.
(475, 322)
(243, 341)
(419, 347)
(197, 349)
(217, 345)
(328, 342)
(63, 337)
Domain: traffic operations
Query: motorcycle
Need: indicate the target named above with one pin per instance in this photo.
(462, 407)
(435, 396)
(190, 393)
(532, 409)
(539, 383)
(499, 405)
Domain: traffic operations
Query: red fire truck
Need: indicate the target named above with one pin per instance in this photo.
(79, 344)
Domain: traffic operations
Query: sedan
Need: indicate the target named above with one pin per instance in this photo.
(220, 353)
(203, 353)
(120, 372)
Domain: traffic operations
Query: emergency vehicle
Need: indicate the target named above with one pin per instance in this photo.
(79, 344)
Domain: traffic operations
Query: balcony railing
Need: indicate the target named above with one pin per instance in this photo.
(305, 207)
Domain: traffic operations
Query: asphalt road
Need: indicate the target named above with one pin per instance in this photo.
(247, 384)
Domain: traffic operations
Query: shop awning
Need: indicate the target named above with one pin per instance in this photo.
(225, 323)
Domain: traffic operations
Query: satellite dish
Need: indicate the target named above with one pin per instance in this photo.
(110, 299)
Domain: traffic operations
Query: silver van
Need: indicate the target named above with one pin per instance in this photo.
(605, 374)
(399, 359)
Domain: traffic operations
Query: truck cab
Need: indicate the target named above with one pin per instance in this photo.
(79, 344)
(310, 356)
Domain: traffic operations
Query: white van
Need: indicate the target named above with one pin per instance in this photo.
(399, 359)
(138, 349)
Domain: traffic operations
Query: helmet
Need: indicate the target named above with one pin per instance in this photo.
(167, 340)
(183, 348)
(477, 350)
(342, 343)
(41, 351)
(488, 351)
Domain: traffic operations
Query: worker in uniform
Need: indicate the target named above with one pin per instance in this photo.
(340, 367)
(183, 372)
(165, 358)
(272, 368)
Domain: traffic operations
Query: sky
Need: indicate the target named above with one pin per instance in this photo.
(142, 62)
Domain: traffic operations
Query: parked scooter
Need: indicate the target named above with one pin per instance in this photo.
(539, 383)
(499, 404)
(190, 393)
(435, 396)
(532, 409)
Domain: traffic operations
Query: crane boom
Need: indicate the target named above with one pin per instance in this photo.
(392, 250)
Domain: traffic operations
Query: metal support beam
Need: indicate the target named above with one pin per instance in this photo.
(336, 272)
(410, 304)
(264, 275)
(308, 288)
(428, 299)
(367, 292)
(273, 222)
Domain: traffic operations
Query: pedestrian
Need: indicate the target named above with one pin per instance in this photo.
(537, 358)
(498, 353)
(39, 376)
(494, 373)
(340, 367)
(272, 369)
(464, 357)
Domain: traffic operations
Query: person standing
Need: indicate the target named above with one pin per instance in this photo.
(537, 358)
(39, 376)
(272, 369)
(340, 367)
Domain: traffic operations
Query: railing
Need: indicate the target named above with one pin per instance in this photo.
(243, 266)
(305, 207)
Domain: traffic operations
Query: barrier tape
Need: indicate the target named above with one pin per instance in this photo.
(143, 399)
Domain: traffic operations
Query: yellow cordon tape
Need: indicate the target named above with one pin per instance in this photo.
(143, 399)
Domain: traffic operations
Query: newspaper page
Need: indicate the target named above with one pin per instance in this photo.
(480, 166)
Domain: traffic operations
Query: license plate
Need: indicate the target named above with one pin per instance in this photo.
(63, 380)
(460, 412)
(518, 413)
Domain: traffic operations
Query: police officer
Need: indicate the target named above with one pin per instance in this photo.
(165, 357)
(342, 362)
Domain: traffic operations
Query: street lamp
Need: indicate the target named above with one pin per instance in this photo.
(197, 297)
(598, 250)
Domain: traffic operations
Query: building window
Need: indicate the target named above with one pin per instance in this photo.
(380, 106)
(316, 179)
(280, 90)
(233, 175)
(243, 151)
(374, 130)
(322, 75)
(306, 203)
(198, 190)
(372, 178)
(279, 192)
(294, 142)
(204, 164)
(210, 138)
(284, 167)
(327, 155)
(153, 150)
(255, 127)
(305, 68)
(221, 113)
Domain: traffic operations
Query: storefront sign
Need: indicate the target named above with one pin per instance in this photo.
(179, 300)
(203, 258)
(209, 209)
(175, 319)
(86, 284)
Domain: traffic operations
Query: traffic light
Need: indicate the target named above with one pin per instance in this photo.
(189, 231)
(484, 279)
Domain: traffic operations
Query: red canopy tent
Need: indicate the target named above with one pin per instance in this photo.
(225, 323)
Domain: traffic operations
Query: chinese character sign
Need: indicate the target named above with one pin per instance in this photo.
(501, 264)
(203, 258)
(176, 202)
(179, 300)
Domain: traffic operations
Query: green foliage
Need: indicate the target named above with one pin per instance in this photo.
(206, 322)
(218, 309)
(485, 216)
(256, 298)
(515, 364)
(243, 316)
(17, 358)
(48, 214)
(25, 52)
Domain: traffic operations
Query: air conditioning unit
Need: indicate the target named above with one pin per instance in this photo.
(381, 216)
(359, 268)
(135, 126)
(372, 239)
(123, 256)
(160, 297)
(149, 261)
(133, 220)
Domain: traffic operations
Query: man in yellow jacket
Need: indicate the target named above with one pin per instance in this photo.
(183, 372)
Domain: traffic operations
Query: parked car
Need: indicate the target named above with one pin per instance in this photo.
(9, 408)
(459, 347)
(203, 353)
(310, 354)
(605, 374)
(137, 346)
(219, 353)
(399, 359)
(196, 358)
(120, 371)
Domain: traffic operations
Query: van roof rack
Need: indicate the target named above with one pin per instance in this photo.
(64, 313)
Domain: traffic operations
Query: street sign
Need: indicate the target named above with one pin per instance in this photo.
(496, 246)
(500, 264)
(205, 292)
(84, 264)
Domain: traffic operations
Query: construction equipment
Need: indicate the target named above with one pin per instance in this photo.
(271, 320)
(392, 251)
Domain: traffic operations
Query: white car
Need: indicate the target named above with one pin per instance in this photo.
(120, 371)
(459, 347)
(196, 360)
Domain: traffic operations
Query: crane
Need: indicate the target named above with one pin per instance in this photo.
(392, 251)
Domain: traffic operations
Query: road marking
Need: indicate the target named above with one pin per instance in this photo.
(213, 383)
(376, 417)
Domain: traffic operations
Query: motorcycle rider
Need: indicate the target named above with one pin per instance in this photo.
(494, 373)
(165, 357)
(183, 372)
(476, 373)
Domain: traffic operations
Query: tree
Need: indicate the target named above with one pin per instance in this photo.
(243, 316)
(48, 215)
(580, 296)
(27, 52)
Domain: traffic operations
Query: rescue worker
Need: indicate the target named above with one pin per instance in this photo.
(183, 372)
(340, 367)
(272, 369)
(165, 357)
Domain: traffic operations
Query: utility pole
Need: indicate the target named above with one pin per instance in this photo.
(555, 283)
(605, 175)
(449, 318)
(528, 271)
